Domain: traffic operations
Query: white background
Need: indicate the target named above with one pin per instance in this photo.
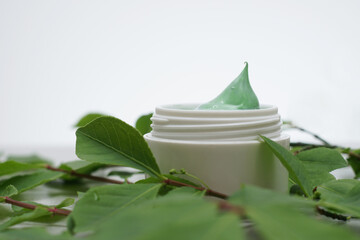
(62, 59)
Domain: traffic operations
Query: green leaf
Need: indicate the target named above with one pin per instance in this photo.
(174, 217)
(295, 167)
(122, 174)
(282, 223)
(29, 216)
(9, 191)
(309, 168)
(10, 167)
(79, 166)
(143, 124)
(254, 196)
(172, 177)
(111, 141)
(88, 118)
(66, 202)
(101, 203)
(355, 163)
(341, 195)
(31, 159)
(26, 182)
(323, 159)
(277, 216)
(32, 234)
(187, 190)
(319, 162)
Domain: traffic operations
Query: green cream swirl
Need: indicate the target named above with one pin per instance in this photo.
(238, 95)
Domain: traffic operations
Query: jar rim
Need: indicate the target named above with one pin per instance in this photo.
(188, 109)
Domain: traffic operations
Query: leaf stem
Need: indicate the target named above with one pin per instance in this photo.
(74, 173)
(208, 191)
(32, 206)
(310, 133)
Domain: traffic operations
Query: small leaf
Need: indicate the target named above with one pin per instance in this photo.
(79, 166)
(80, 194)
(109, 200)
(143, 124)
(88, 118)
(66, 202)
(111, 141)
(9, 191)
(29, 216)
(25, 182)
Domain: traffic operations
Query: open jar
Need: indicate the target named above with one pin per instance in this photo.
(221, 147)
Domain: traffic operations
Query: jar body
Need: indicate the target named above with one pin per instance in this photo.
(223, 164)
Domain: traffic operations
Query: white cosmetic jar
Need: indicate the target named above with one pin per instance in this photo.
(221, 147)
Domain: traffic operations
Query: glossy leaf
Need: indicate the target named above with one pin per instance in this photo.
(175, 217)
(88, 118)
(143, 124)
(109, 140)
(101, 203)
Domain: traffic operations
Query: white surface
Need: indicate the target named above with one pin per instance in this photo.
(62, 59)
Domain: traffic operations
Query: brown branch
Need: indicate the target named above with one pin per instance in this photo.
(228, 207)
(208, 192)
(74, 173)
(332, 215)
(32, 206)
